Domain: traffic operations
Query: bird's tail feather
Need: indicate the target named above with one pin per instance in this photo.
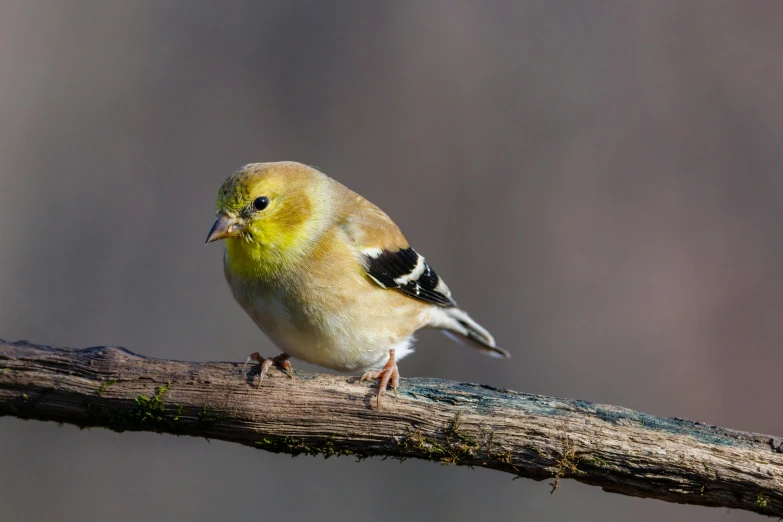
(455, 321)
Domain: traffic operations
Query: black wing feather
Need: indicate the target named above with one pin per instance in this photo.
(390, 266)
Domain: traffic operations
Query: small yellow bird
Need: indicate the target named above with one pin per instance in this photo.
(328, 276)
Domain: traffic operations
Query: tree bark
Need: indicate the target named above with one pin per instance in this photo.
(533, 436)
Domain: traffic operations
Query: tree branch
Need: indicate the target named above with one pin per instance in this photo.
(542, 438)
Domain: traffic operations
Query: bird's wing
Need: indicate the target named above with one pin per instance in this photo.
(408, 272)
(388, 259)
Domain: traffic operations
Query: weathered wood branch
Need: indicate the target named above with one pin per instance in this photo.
(542, 438)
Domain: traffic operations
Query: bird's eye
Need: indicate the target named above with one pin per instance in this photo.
(261, 203)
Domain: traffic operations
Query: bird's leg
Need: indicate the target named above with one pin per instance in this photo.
(281, 361)
(388, 373)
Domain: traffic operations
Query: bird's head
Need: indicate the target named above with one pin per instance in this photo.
(268, 212)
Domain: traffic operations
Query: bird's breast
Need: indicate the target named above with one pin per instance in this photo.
(346, 326)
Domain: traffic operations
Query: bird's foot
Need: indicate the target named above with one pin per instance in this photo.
(281, 361)
(388, 373)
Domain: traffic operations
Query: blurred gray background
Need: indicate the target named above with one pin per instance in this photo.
(599, 183)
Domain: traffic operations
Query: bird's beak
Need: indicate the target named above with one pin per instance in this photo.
(225, 226)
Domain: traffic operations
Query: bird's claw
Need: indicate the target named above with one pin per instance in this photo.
(389, 373)
(281, 361)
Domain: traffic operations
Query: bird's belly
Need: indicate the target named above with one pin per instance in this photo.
(319, 342)
(351, 340)
(329, 325)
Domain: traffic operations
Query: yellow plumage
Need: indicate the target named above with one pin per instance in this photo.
(326, 274)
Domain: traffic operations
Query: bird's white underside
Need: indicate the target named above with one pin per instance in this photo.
(341, 341)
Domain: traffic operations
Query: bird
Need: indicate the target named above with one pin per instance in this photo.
(328, 276)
